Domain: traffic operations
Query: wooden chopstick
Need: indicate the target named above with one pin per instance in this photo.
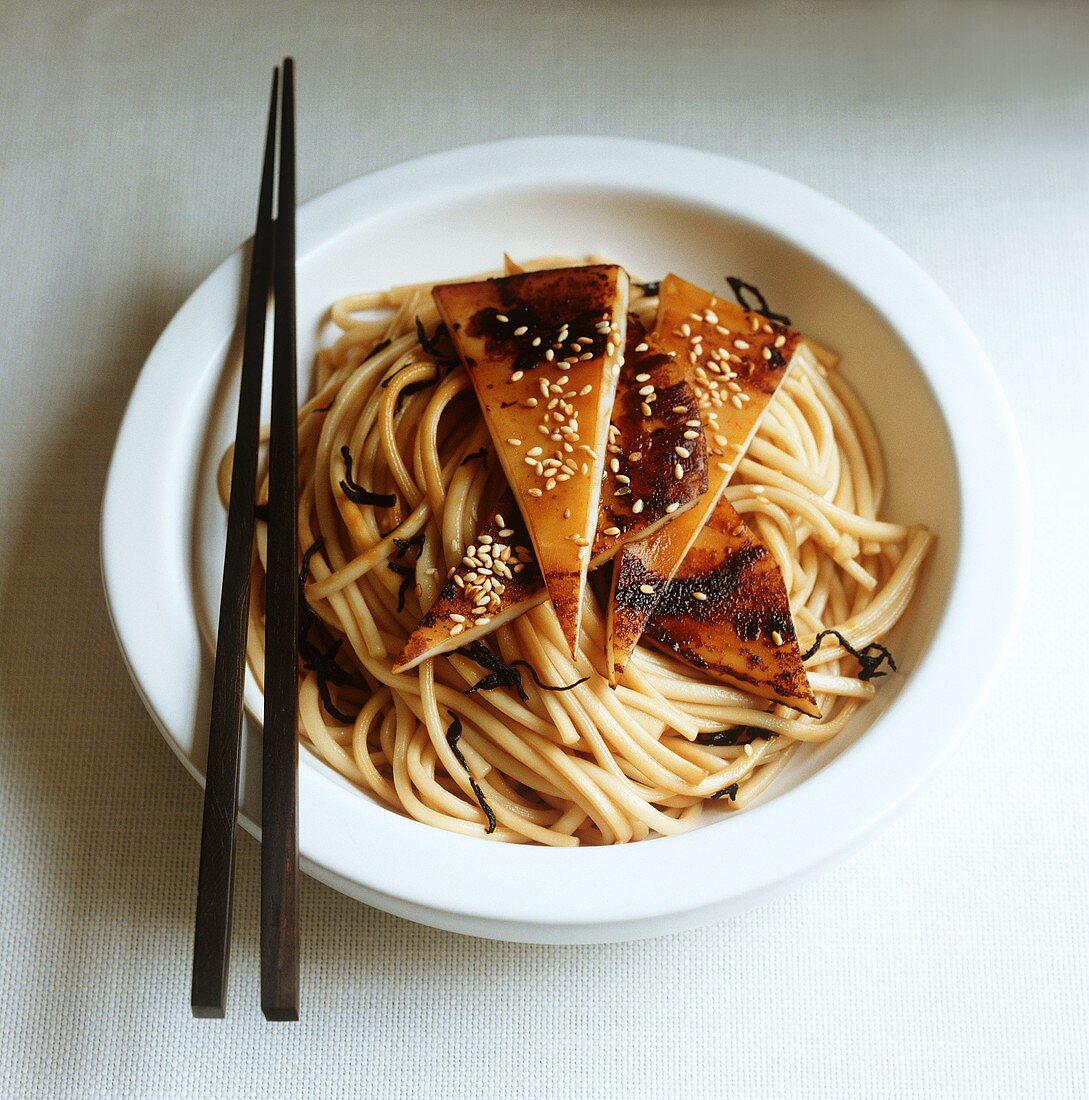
(279, 824)
(211, 943)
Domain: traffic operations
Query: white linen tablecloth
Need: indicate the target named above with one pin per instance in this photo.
(948, 958)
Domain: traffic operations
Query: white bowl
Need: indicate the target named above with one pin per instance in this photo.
(953, 460)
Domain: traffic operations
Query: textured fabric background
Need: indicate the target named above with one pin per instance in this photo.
(949, 958)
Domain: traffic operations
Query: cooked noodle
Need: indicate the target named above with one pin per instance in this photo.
(589, 765)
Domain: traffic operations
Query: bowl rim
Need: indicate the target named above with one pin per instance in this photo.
(440, 872)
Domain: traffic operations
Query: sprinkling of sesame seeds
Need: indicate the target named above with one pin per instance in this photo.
(722, 330)
(672, 507)
(612, 532)
(642, 377)
(534, 492)
(741, 345)
(755, 322)
(586, 355)
(682, 452)
(586, 389)
(623, 479)
(614, 465)
(736, 401)
(776, 637)
(521, 330)
(534, 451)
(722, 441)
(579, 540)
(642, 347)
(710, 317)
(678, 471)
(610, 347)
(686, 329)
(780, 341)
(456, 629)
(766, 353)
(502, 317)
(691, 435)
(506, 533)
(514, 441)
(680, 408)
(645, 391)
(645, 409)
(567, 513)
(701, 596)
(517, 376)
(635, 456)
(646, 589)
(535, 342)
(638, 506)
(549, 354)
(457, 618)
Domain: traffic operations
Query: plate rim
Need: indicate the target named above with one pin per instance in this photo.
(691, 175)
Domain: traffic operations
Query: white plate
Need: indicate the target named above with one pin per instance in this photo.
(953, 459)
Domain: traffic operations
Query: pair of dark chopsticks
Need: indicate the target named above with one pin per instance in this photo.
(272, 268)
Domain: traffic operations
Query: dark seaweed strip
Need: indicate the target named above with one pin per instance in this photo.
(870, 657)
(650, 289)
(729, 792)
(482, 454)
(414, 387)
(408, 575)
(453, 736)
(547, 687)
(260, 511)
(322, 662)
(380, 346)
(404, 545)
(503, 673)
(356, 493)
(739, 735)
(430, 344)
(738, 285)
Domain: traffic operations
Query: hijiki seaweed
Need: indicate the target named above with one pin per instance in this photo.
(738, 285)
(453, 736)
(321, 662)
(870, 657)
(355, 492)
(504, 673)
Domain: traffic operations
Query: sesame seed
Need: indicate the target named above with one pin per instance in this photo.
(672, 507)
(680, 408)
(686, 329)
(614, 465)
(741, 345)
(736, 402)
(780, 341)
(646, 589)
(776, 637)
(635, 456)
(514, 441)
(691, 435)
(586, 355)
(502, 317)
(579, 540)
(642, 377)
(456, 629)
(637, 507)
(535, 342)
(613, 531)
(722, 329)
(623, 479)
(766, 353)
(534, 492)
(521, 330)
(645, 391)
(642, 347)
(517, 376)
(585, 390)
(610, 347)
(532, 451)
(701, 596)
(678, 471)
(645, 409)
(457, 618)
(709, 317)
(506, 533)
(530, 403)
(682, 452)
(549, 354)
